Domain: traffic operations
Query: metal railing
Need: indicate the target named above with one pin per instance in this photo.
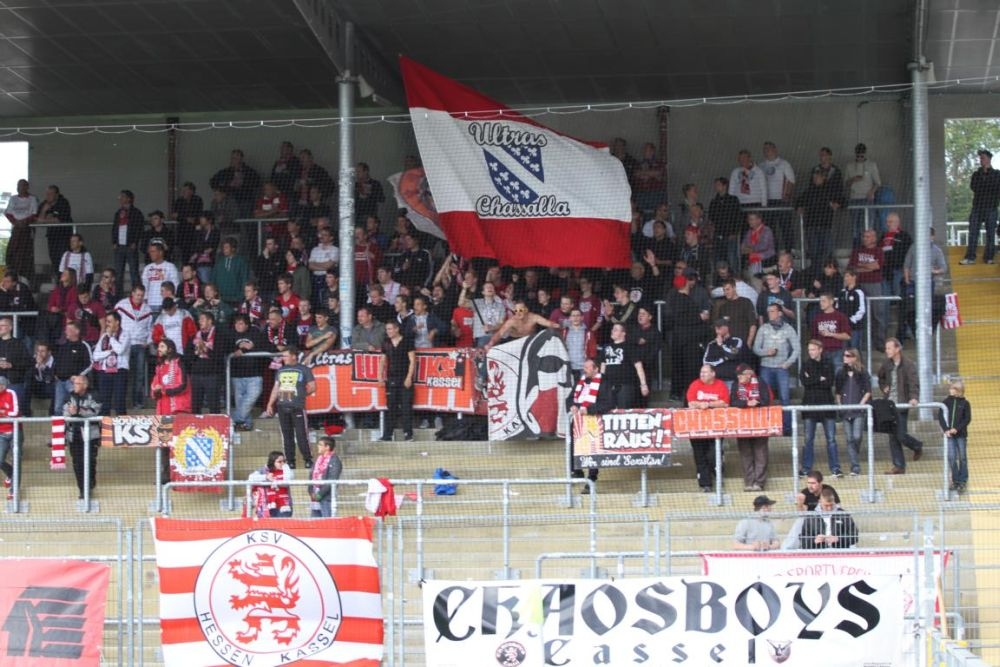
(16, 317)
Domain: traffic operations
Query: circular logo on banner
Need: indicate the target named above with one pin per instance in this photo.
(510, 654)
(266, 593)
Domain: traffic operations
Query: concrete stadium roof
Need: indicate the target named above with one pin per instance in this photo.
(115, 57)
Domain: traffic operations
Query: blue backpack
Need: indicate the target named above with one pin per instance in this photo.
(444, 489)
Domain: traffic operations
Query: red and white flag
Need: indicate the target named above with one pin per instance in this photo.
(952, 318)
(509, 188)
(269, 592)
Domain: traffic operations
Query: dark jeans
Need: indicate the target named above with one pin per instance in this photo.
(958, 462)
(817, 244)
(781, 225)
(206, 390)
(126, 255)
(293, 428)
(111, 388)
(901, 438)
(76, 452)
(704, 460)
(399, 404)
(977, 219)
(137, 366)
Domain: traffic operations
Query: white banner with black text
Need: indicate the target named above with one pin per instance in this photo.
(739, 620)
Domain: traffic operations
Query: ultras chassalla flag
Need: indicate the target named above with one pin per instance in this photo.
(506, 187)
(268, 592)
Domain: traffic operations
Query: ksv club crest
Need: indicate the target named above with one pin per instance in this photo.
(267, 594)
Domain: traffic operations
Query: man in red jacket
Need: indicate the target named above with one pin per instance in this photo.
(9, 407)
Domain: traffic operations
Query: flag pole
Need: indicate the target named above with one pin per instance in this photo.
(346, 206)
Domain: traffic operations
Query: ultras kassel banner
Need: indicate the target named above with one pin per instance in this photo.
(833, 622)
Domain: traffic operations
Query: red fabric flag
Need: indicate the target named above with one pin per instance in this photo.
(509, 188)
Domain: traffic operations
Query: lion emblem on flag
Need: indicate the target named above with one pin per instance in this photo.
(271, 594)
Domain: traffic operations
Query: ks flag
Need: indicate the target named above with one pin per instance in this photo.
(268, 592)
(509, 188)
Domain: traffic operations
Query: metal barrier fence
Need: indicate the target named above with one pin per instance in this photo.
(415, 546)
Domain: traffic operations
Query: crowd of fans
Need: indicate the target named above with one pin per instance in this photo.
(722, 275)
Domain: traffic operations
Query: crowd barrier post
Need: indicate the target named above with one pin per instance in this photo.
(718, 499)
(16, 506)
(798, 319)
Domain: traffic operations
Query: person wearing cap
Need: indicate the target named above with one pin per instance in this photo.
(751, 392)
(724, 352)
(985, 186)
(174, 323)
(157, 272)
(828, 526)
(862, 180)
(757, 533)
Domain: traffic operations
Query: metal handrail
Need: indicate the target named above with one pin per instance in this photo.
(15, 316)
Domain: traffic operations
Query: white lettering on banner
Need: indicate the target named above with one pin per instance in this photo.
(545, 206)
(833, 622)
(501, 134)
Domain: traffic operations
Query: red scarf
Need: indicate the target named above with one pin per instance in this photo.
(57, 460)
(208, 339)
(749, 391)
(755, 257)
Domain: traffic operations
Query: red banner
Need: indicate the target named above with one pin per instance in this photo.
(52, 613)
(728, 422)
(348, 381)
(198, 444)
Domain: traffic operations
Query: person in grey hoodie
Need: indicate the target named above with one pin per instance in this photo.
(777, 344)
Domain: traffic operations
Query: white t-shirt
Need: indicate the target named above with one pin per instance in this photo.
(154, 275)
(776, 172)
(331, 253)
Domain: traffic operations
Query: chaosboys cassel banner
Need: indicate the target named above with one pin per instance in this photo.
(52, 612)
(348, 381)
(197, 444)
(736, 620)
(623, 439)
(269, 592)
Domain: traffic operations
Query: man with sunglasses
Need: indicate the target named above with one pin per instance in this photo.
(520, 324)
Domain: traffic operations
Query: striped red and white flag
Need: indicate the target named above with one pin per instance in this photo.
(269, 592)
(952, 318)
(57, 457)
(505, 186)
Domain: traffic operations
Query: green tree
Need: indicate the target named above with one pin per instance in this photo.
(962, 138)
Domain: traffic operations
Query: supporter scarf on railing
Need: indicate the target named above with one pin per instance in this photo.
(58, 456)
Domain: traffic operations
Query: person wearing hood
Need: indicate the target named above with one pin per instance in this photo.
(777, 344)
(829, 526)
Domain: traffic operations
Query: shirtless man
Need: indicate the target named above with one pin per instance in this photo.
(522, 323)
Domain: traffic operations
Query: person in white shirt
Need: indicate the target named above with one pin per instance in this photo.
(863, 180)
(78, 258)
(324, 256)
(157, 272)
(111, 356)
(137, 328)
(780, 179)
(747, 182)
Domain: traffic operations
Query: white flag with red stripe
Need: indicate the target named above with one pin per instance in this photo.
(268, 592)
(507, 187)
(952, 318)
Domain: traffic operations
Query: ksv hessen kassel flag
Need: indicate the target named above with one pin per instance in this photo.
(509, 188)
(268, 592)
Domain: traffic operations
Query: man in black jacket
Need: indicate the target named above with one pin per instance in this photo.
(247, 373)
(829, 526)
(206, 354)
(70, 358)
(15, 363)
(126, 232)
